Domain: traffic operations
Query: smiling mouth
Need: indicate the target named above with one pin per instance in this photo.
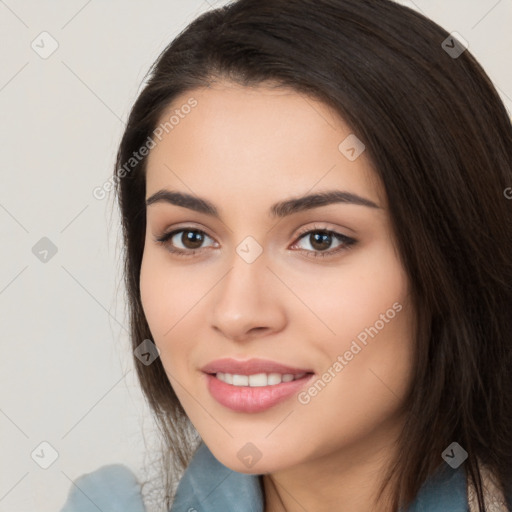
(258, 379)
(254, 393)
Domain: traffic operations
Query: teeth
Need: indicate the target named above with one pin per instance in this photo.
(274, 378)
(240, 380)
(258, 379)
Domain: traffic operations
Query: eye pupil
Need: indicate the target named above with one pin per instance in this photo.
(193, 237)
(320, 240)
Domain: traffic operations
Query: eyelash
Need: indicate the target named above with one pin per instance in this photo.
(347, 242)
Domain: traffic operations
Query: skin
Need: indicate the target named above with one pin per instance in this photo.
(244, 149)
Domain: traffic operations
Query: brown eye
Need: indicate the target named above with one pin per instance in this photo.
(192, 239)
(321, 240)
(184, 242)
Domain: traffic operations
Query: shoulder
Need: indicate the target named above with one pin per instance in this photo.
(209, 486)
(113, 487)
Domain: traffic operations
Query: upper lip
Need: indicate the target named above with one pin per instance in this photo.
(250, 367)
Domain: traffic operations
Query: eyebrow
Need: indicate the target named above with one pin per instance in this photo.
(280, 209)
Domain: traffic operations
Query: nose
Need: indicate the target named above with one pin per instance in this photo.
(249, 301)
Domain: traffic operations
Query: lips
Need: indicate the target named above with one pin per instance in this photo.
(251, 367)
(248, 399)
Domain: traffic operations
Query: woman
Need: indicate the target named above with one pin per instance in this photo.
(318, 238)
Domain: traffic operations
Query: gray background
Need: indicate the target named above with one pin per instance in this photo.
(66, 373)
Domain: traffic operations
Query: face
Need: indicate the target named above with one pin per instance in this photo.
(315, 286)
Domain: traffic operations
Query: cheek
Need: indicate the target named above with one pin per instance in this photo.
(160, 291)
(363, 391)
(371, 320)
(348, 300)
(171, 297)
(151, 292)
(159, 297)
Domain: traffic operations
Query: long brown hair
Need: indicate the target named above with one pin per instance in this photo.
(440, 140)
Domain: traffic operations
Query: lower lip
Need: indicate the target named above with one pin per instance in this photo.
(253, 399)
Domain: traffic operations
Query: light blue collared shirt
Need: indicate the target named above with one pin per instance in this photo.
(209, 486)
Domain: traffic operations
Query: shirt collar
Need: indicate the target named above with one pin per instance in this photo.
(209, 486)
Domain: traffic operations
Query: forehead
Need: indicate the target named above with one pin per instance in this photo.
(266, 141)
